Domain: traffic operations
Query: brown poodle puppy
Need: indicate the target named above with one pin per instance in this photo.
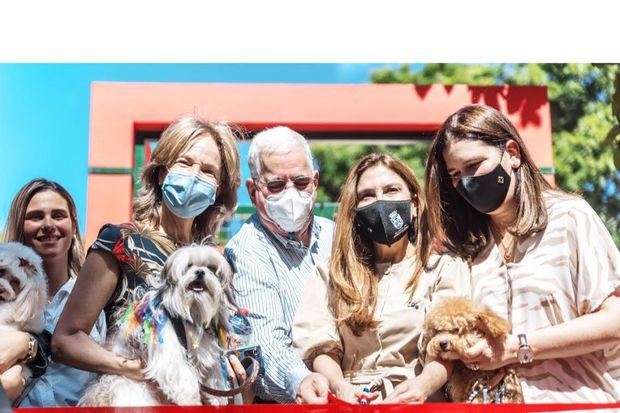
(451, 328)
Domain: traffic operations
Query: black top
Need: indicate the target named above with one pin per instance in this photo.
(140, 258)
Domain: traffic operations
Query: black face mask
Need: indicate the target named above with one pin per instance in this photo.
(485, 192)
(383, 221)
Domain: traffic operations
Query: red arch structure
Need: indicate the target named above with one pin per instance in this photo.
(120, 110)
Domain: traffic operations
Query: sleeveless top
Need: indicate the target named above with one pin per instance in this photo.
(140, 260)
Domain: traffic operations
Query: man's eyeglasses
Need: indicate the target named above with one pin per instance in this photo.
(277, 185)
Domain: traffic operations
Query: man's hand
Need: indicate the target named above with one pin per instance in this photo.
(313, 389)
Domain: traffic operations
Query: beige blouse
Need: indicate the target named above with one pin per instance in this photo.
(557, 275)
(388, 355)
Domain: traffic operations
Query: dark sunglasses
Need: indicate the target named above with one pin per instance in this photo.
(277, 185)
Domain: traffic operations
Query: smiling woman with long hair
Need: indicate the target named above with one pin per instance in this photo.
(361, 314)
(43, 216)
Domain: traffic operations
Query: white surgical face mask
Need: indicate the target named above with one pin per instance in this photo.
(289, 209)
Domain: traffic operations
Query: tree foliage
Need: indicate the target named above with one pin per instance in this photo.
(585, 113)
(335, 161)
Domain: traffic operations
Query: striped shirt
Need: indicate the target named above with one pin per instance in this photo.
(558, 274)
(271, 273)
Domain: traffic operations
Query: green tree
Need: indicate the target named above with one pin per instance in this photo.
(335, 161)
(585, 115)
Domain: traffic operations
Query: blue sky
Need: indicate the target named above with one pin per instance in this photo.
(44, 111)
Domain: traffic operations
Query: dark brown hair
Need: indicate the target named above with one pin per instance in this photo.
(461, 228)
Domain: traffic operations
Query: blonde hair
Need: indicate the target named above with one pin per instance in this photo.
(178, 137)
(463, 229)
(353, 284)
(14, 230)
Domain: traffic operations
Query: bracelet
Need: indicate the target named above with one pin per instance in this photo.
(32, 350)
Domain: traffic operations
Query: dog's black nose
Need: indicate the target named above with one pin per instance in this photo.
(200, 273)
(443, 345)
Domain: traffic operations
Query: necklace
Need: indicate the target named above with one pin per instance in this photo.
(506, 248)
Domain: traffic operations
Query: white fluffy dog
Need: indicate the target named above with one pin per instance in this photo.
(23, 291)
(195, 291)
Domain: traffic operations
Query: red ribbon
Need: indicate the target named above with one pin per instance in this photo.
(338, 406)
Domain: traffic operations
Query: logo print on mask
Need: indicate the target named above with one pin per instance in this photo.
(396, 220)
(382, 221)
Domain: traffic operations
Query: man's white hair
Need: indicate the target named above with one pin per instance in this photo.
(278, 139)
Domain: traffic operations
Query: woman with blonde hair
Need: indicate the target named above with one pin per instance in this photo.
(539, 257)
(361, 314)
(43, 216)
(188, 188)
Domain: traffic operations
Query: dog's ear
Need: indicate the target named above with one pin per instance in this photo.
(166, 272)
(31, 301)
(225, 275)
(27, 266)
(425, 337)
(491, 324)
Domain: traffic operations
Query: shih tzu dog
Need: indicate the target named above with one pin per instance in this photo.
(23, 291)
(451, 328)
(174, 330)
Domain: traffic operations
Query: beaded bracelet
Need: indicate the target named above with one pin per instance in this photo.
(32, 350)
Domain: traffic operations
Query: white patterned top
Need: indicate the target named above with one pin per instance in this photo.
(557, 275)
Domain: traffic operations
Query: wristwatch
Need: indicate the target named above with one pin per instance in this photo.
(525, 355)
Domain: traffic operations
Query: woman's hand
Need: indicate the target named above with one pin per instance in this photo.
(13, 382)
(313, 389)
(351, 394)
(13, 347)
(488, 354)
(345, 391)
(236, 370)
(413, 391)
(132, 369)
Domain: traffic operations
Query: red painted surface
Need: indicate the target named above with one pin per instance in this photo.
(110, 197)
(119, 109)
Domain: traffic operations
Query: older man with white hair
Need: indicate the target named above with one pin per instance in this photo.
(274, 255)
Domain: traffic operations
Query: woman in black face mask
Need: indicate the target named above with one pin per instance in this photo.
(361, 315)
(541, 258)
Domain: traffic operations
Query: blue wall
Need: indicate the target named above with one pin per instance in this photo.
(44, 111)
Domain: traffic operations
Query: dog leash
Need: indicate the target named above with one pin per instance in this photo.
(243, 386)
(25, 392)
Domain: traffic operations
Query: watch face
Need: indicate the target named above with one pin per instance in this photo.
(525, 355)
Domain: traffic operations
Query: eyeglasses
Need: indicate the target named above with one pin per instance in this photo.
(277, 185)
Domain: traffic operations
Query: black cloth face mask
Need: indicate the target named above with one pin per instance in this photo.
(485, 192)
(384, 221)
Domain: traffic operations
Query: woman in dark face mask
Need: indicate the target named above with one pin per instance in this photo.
(361, 315)
(539, 257)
